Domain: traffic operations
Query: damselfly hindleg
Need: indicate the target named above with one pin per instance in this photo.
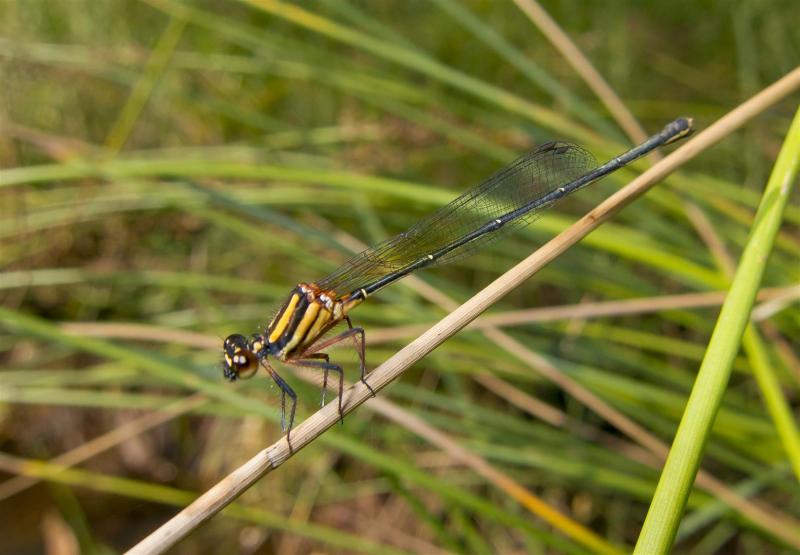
(358, 340)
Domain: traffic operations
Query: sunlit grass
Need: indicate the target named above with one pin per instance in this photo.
(182, 166)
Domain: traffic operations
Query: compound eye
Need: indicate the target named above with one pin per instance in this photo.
(239, 362)
(246, 364)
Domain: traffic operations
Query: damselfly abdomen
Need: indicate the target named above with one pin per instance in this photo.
(509, 199)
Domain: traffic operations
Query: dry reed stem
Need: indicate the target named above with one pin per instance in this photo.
(775, 304)
(779, 524)
(493, 475)
(228, 489)
(584, 68)
(588, 310)
(773, 299)
(106, 441)
(595, 81)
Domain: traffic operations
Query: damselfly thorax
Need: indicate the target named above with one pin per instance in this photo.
(511, 198)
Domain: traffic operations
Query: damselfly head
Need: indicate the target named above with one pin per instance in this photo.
(238, 359)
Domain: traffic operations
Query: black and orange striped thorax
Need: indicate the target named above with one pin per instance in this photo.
(308, 313)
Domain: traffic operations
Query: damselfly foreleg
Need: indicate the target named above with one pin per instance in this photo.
(285, 390)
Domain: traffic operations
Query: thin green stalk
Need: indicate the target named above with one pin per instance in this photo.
(141, 92)
(770, 387)
(669, 501)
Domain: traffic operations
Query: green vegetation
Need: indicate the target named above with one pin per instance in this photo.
(169, 169)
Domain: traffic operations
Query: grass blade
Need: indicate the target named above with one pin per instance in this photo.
(663, 518)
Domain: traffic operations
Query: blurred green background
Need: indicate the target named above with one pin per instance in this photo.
(173, 167)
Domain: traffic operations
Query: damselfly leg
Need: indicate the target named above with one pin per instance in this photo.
(326, 366)
(323, 362)
(359, 340)
(285, 390)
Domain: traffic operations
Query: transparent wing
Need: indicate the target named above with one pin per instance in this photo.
(529, 178)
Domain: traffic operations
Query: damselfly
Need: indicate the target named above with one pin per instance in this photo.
(509, 199)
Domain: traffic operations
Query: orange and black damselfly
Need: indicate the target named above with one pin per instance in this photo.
(509, 199)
